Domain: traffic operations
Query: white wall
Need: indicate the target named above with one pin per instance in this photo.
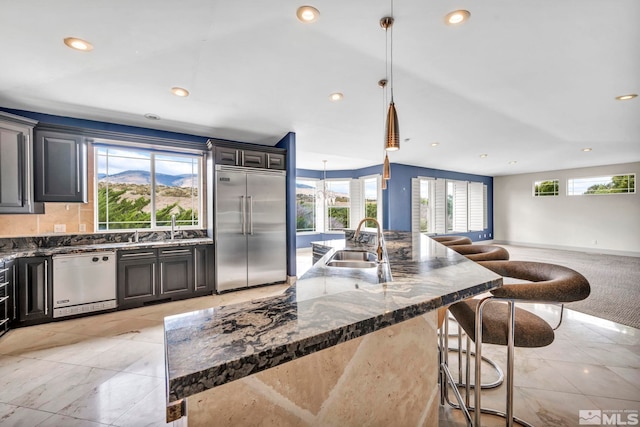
(599, 223)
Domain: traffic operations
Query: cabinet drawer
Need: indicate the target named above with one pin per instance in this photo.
(275, 161)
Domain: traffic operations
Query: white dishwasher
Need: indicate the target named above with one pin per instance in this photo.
(83, 283)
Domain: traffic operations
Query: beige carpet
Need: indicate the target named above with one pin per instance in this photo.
(615, 281)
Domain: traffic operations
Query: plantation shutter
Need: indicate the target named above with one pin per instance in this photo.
(356, 211)
(439, 212)
(485, 208)
(460, 206)
(476, 206)
(415, 205)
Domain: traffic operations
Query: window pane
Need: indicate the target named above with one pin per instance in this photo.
(126, 177)
(371, 200)
(424, 206)
(124, 189)
(338, 204)
(176, 179)
(602, 185)
(305, 205)
(546, 188)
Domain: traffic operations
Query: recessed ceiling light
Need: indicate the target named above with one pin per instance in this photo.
(337, 96)
(78, 44)
(435, 144)
(586, 150)
(482, 156)
(307, 14)
(178, 91)
(513, 162)
(457, 17)
(152, 116)
(626, 97)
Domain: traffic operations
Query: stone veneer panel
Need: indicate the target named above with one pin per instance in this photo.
(388, 377)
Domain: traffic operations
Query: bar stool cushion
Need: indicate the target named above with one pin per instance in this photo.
(552, 283)
(452, 240)
(482, 252)
(530, 330)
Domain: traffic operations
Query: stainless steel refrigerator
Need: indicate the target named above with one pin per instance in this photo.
(250, 227)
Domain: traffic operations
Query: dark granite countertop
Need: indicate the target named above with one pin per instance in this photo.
(20, 252)
(325, 307)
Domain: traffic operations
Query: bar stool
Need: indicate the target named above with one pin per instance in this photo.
(479, 253)
(452, 240)
(482, 252)
(495, 319)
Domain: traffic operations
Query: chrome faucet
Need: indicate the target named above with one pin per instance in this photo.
(380, 236)
(173, 226)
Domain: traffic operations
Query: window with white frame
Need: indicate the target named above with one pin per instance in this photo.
(548, 187)
(306, 190)
(612, 184)
(338, 204)
(441, 206)
(372, 199)
(142, 188)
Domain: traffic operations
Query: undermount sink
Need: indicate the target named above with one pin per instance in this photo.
(353, 259)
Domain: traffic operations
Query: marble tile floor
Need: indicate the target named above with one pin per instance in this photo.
(108, 369)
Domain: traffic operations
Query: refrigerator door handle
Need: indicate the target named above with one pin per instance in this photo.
(243, 209)
(250, 214)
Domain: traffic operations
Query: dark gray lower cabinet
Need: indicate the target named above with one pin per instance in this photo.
(203, 267)
(153, 275)
(136, 277)
(7, 295)
(34, 290)
(176, 270)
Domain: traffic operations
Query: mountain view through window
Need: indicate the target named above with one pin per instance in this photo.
(140, 189)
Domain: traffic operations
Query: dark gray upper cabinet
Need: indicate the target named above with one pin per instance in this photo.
(60, 167)
(16, 185)
(257, 157)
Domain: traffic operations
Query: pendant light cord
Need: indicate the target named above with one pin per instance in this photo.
(391, 53)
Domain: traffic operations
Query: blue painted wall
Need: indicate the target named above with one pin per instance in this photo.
(396, 200)
(289, 143)
(110, 127)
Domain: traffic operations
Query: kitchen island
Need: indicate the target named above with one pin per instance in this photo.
(342, 346)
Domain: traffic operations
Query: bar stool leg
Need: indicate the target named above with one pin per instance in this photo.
(510, 357)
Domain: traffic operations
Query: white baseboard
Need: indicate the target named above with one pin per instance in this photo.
(568, 248)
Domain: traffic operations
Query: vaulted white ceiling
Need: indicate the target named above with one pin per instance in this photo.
(526, 81)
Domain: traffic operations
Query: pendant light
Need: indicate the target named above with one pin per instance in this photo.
(392, 133)
(386, 168)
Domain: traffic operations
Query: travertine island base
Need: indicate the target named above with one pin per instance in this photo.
(342, 347)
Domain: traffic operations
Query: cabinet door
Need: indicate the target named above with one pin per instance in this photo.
(60, 167)
(275, 161)
(34, 289)
(13, 160)
(226, 156)
(203, 267)
(253, 159)
(136, 277)
(176, 271)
